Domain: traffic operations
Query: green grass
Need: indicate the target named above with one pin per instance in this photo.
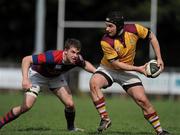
(47, 116)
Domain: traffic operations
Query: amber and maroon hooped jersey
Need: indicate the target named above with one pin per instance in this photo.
(50, 63)
(123, 47)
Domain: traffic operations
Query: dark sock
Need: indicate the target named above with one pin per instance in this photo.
(70, 116)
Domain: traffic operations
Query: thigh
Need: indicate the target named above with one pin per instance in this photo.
(102, 78)
(126, 78)
(98, 80)
(65, 95)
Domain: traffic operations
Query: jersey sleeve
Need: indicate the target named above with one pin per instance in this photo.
(109, 52)
(142, 31)
(44, 58)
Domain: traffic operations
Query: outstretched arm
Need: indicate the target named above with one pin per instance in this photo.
(89, 67)
(26, 62)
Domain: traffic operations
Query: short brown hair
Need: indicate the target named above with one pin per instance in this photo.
(71, 42)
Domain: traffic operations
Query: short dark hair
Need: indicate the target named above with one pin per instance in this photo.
(72, 42)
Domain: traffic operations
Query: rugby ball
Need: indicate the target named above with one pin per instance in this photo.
(152, 69)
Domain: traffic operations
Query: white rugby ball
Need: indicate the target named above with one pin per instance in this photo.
(152, 69)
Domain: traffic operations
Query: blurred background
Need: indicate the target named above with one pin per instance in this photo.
(34, 26)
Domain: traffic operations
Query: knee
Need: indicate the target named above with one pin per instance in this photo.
(142, 101)
(69, 104)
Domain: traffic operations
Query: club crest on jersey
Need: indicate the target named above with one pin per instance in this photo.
(58, 67)
(132, 42)
(117, 49)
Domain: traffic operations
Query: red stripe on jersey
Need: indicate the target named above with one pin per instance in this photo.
(58, 56)
(41, 58)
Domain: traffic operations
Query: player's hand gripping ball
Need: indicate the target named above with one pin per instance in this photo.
(152, 69)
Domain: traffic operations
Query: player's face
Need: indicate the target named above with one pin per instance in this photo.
(72, 55)
(110, 29)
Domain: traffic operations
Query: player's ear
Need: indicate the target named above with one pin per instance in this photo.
(65, 51)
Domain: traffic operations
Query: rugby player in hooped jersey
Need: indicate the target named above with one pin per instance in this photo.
(117, 65)
(49, 69)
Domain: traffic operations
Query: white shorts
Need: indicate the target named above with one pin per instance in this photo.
(126, 79)
(53, 82)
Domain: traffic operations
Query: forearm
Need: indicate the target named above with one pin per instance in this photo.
(123, 66)
(155, 44)
(89, 67)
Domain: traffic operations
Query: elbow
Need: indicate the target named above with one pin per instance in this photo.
(24, 59)
(27, 59)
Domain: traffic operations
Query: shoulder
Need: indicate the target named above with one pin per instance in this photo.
(108, 40)
(130, 28)
(57, 52)
(136, 29)
(55, 55)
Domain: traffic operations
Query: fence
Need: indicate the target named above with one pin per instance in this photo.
(166, 83)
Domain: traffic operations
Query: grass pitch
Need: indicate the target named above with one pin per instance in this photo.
(47, 116)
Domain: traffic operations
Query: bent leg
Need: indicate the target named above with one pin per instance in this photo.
(64, 94)
(98, 81)
(139, 96)
(15, 112)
